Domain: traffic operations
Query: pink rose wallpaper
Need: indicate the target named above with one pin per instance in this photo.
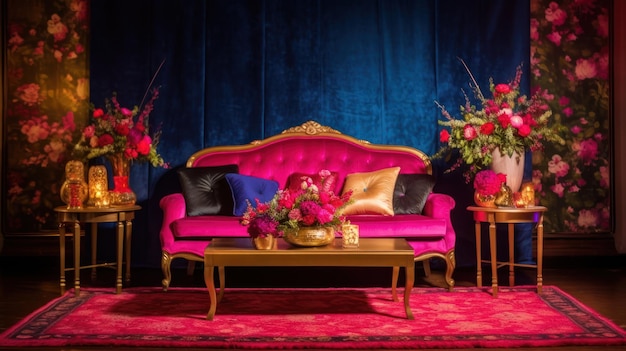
(570, 58)
(48, 91)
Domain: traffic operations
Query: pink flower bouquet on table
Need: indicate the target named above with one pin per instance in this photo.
(313, 204)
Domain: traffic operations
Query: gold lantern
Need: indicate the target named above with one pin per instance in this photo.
(528, 194)
(98, 187)
(350, 236)
(74, 189)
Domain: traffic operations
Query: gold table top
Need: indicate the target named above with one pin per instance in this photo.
(372, 252)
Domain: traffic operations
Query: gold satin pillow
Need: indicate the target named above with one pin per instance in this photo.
(372, 192)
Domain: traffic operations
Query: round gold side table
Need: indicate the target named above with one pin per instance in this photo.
(510, 216)
(73, 218)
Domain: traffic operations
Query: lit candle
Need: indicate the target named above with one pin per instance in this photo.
(98, 187)
(350, 236)
(528, 193)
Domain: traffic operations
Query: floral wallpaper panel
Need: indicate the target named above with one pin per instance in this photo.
(570, 58)
(47, 96)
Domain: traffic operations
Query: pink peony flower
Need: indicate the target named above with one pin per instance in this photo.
(89, 131)
(469, 133)
(105, 139)
(524, 130)
(558, 167)
(585, 69)
(516, 121)
(502, 89)
(555, 15)
(588, 151)
(143, 147)
(487, 182)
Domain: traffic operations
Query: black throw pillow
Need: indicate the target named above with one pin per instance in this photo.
(206, 190)
(411, 192)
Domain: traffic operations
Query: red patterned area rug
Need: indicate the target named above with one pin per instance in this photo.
(361, 318)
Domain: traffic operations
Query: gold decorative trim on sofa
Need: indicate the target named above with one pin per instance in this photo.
(311, 129)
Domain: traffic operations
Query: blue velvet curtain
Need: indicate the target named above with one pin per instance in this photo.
(238, 70)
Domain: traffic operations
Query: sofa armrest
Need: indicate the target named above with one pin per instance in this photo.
(173, 206)
(440, 206)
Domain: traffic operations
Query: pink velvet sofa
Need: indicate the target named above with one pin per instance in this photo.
(308, 149)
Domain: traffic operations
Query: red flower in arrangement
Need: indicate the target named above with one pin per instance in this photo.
(313, 204)
(488, 182)
(507, 121)
(444, 136)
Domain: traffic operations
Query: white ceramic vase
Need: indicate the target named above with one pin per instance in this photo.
(512, 166)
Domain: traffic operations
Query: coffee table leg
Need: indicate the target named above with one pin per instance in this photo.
(394, 283)
(210, 284)
(410, 277)
(222, 278)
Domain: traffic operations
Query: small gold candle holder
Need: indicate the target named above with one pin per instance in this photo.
(518, 201)
(74, 189)
(98, 187)
(528, 194)
(350, 236)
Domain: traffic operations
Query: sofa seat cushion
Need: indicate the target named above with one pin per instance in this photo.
(199, 227)
(370, 226)
(400, 226)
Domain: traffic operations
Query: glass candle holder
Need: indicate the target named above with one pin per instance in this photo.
(350, 236)
(74, 189)
(528, 194)
(98, 187)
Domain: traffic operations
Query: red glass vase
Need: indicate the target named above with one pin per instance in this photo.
(122, 194)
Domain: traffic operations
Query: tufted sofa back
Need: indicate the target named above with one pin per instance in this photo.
(309, 150)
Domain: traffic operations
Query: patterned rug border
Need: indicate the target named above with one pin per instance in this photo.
(598, 330)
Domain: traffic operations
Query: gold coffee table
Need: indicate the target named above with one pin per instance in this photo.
(372, 252)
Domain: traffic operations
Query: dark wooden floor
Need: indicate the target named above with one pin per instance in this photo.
(27, 283)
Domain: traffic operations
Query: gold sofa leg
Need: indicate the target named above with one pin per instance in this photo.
(450, 266)
(166, 261)
(191, 265)
(426, 264)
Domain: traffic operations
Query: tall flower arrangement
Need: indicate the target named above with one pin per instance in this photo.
(311, 205)
(118, 130)
(506, 120)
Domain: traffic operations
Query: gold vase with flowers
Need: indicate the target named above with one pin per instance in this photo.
(487, 187)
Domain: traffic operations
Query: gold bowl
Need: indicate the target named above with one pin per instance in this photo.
(310, 236)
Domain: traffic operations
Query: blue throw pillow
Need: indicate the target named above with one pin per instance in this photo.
(249, 188)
